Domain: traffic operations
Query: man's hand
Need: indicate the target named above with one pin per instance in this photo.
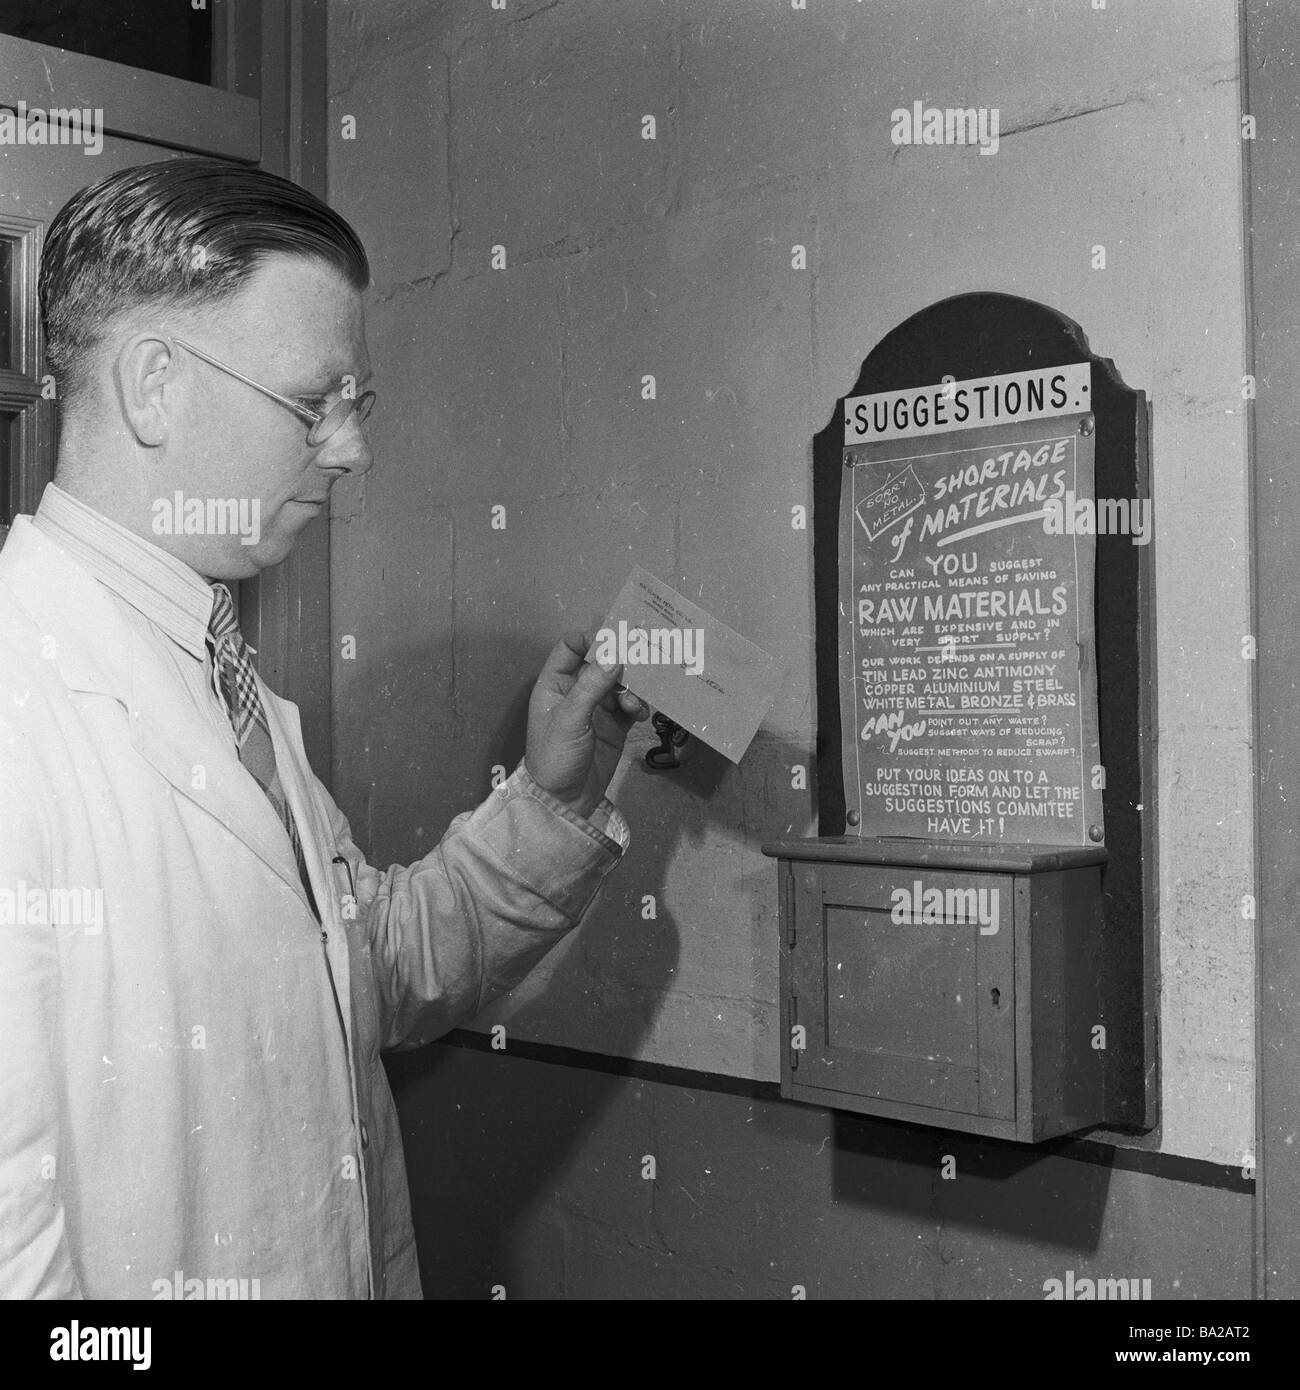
(577, 724)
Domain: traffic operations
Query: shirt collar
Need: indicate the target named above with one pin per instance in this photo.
(158, 585)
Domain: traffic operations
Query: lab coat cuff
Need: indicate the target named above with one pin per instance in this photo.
(606, 813)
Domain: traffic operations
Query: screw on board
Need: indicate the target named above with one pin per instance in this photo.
(1087, 424)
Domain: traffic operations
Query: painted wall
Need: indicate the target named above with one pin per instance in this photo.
(521, 128)
(534, 1177)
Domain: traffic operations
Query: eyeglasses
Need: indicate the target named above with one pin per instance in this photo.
(320, 426)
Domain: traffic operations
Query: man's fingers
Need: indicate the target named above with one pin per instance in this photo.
(624, 702)
(568, 654)
(589, 690)
(568, 658)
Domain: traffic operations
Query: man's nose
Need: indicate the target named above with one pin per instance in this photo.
(348, 449)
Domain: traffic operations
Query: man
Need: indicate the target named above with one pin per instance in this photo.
(198, 969)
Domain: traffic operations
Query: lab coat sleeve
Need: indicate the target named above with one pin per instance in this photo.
(467, 922)
(35, 1257)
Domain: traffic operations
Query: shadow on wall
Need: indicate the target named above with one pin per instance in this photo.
(960, 1180)
(485, 1165)
(467, 1230)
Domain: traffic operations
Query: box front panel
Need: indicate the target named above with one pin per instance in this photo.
(904, 984)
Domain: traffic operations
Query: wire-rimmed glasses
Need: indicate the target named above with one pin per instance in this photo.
(320, 426)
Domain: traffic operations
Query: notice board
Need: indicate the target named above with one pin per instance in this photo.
(975, 339)
(968, 673)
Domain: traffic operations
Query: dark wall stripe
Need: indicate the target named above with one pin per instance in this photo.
(1172, 1167)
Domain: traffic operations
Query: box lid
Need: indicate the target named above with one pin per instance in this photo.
(937, 854)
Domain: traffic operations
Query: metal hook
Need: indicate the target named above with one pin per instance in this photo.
(671, 737)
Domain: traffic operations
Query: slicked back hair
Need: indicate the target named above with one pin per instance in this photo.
(181, 232)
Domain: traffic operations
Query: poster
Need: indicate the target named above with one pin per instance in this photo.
(967, 656)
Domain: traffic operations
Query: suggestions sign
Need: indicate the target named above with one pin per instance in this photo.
(967, 672)
(1017, 397)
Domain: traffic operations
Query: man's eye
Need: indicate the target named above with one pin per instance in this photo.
(316, 403)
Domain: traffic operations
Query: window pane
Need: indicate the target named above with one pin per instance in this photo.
(164, 36)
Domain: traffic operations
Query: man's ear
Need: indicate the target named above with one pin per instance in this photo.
(146, 386)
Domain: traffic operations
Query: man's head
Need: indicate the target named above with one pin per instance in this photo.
(255, 273)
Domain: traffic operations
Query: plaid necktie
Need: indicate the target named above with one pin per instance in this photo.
(248, 718)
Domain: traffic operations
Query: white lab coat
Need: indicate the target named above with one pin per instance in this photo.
(185, 1096)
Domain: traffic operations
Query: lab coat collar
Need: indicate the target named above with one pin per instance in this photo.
(97, 652)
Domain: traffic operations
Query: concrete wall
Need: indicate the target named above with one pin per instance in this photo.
(522, 128)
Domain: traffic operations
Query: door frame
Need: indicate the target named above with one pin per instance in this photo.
(275, 52)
